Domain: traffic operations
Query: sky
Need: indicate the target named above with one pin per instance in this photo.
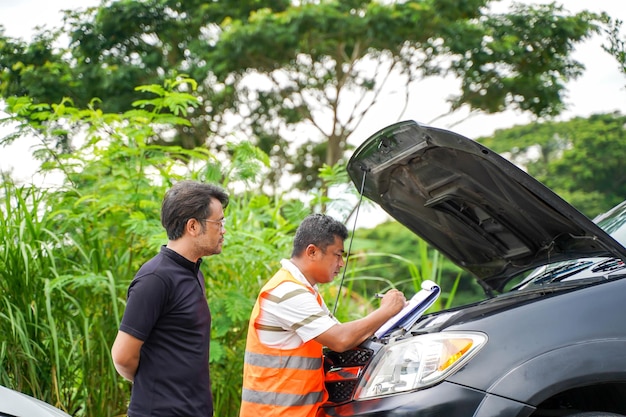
(602, 88)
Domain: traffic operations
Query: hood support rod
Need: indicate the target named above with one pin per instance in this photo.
(356, 216)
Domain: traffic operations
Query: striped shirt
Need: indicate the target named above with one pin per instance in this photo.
(291, 315)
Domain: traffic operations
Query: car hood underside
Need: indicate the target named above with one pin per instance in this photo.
(477, 208)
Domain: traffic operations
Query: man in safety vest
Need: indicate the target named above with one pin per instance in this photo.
(283, 371)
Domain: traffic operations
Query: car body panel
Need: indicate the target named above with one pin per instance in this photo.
(532, 342)
(446, 399)
(13, 403)
(481, 211)
(561, 355)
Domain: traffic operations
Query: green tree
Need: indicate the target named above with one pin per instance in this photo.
(309, 70)
(580, 159)
(617, 42)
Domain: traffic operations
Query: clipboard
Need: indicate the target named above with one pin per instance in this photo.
(416, 306)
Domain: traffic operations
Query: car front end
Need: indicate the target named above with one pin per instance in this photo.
(548, 340)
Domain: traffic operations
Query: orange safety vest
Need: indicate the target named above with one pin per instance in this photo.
(281, 382)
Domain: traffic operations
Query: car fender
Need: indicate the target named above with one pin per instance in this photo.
(581, 364)
(14, 403)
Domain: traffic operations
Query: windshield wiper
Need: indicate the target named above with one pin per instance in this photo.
(557, 273)
(610, 265)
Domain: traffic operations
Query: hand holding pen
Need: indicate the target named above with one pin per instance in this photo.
(392, 298)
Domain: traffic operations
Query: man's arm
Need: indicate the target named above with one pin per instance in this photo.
(344, 336)
(125, 353)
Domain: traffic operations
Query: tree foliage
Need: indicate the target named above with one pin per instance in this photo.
(617, 42)
(298, 75)
(579, 159)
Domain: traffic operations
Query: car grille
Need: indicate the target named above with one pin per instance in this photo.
(343, 371)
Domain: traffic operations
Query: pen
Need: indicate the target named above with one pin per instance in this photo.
(379, 295)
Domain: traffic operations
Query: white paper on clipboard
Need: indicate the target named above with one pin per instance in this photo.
(414, 308)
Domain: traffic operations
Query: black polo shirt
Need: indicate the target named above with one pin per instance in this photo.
(167, 309)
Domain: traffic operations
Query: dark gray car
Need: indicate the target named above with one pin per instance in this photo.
(549, 339)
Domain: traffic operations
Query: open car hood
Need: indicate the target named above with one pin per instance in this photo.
(481, 211)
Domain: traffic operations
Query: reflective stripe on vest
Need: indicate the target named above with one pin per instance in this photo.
(285, 400)
(292, 362)
(279, 382)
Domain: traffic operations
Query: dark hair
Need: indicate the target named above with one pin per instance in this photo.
(319, 230)
(188, 200)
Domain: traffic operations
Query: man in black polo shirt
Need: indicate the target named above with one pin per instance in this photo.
(163, 341)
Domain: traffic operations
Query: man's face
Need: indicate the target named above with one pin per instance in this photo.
(328, 263)
(211, 240)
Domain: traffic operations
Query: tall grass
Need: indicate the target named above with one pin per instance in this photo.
(55, 316)
(23, 320)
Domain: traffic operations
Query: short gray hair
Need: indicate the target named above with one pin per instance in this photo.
(319, 230)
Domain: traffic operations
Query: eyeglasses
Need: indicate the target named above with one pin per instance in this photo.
(221, 222)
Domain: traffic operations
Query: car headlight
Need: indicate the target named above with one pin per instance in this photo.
(418, 362)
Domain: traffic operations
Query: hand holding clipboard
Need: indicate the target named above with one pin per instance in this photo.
(414, 308)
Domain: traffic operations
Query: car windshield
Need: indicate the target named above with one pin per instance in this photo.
(614, 223)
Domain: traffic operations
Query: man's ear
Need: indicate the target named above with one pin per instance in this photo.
(311, 251)
(193, 227)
